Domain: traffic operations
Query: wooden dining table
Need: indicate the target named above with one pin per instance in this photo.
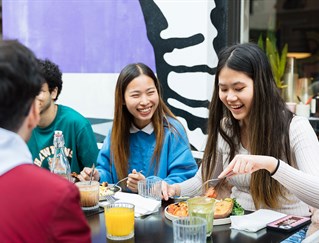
(157, 228)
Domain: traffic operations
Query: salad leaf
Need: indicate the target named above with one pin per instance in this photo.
(237, 209)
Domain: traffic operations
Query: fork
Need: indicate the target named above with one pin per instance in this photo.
(198, 189)
(125, 178)
(92, 172)
(111, 198)
(212, 180)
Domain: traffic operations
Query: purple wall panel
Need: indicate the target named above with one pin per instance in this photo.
(85, 36)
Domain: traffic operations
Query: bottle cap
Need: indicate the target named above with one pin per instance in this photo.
(58, 133)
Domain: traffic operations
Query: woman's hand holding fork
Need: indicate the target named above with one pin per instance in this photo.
(133, 179)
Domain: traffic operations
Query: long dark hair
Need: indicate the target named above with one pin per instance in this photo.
(123, 118)
(269, 121)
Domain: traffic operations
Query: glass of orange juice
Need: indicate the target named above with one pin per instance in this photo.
(119, 221)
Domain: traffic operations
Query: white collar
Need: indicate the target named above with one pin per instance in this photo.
(148, 129)
(13, 151)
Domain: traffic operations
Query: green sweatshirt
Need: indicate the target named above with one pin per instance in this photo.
(80, 143)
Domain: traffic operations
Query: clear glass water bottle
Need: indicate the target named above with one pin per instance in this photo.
(290, 79)
(60, 164)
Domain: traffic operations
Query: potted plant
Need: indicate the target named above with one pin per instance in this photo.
(277, 60)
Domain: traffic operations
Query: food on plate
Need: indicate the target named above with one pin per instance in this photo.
(178, 209)
(237, 208)
(223, 208)
(105, 190)
(211, 192)
(75, 176)
(105, 184)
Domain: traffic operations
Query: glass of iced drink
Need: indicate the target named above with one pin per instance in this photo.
(203, 207)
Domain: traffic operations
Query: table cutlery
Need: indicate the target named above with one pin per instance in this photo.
(92, 172)
(109, 198)
(117, 183)
(229, 174)
(200, 188)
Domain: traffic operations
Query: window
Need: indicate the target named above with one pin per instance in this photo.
(293, 22)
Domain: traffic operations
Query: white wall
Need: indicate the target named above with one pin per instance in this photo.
(92, 99)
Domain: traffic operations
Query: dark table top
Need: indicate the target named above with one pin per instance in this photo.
(157, 228)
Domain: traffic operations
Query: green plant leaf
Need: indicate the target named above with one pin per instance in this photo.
(283, 60)
(261, 42)
(277, 61)
(269, 48)
(272, 61)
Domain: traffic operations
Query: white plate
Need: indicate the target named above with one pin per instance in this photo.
(116, 189)
(216, 221)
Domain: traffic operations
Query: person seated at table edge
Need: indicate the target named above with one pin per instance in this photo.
(36, 205)
(145, 136)
(251, 133)
(80, 142)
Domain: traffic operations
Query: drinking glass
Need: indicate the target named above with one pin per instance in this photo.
(303, 89)
(190, 230)
(119, 221)
(151, 187)
(89, 194)
(202, 207)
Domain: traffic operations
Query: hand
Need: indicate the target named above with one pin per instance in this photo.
(170, 190)
(133, 178)
(244, 164)
(85, 174)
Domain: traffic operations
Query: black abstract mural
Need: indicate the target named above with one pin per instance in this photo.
(156, 22)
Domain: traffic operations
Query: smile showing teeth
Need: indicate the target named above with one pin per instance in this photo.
(145, 110)
(236, 106)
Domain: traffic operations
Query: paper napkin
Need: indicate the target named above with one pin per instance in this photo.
(143, 206)
(253, 235)
(255, 221)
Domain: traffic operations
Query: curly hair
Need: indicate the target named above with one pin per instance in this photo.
(52, 75)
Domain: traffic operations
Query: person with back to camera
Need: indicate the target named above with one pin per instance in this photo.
(80, 142)
(145, 135)
(251, 133)
(36, 205)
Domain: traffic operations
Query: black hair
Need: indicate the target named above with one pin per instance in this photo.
(123, 118)
(51, 74)
(269, 121)
(20, 83)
